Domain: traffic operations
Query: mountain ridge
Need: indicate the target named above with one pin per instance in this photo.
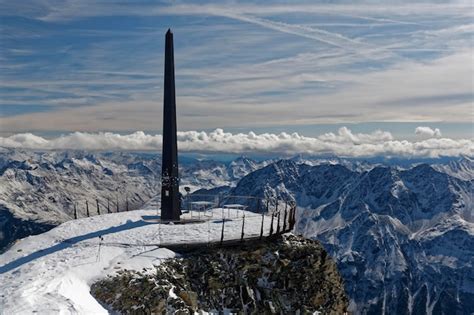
(384, 227)
(400, 234)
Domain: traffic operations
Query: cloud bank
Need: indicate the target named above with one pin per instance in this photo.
(427, 131)
(344, 143)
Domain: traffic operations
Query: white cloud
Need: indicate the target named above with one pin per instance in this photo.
(427, 131)
(234, 103)
(344, 143)
(250, 73)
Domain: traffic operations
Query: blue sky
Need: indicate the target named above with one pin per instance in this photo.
(268, 66)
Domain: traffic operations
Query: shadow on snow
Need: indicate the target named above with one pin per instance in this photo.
(71, 241)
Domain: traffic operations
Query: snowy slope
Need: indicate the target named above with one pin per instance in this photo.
(39, 189)
(402, 234)
(403, 238)
(42, 186)
(52, 272)
(462, 168)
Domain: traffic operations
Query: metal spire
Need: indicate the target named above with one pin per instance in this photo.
(170, 208)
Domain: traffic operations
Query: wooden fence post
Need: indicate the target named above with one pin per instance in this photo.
(127, 204)
(75, 210)
(87, 208)
(108, 205)
(98, 209)
(261, 227)
(116, 202)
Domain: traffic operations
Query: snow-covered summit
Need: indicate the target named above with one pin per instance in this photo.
(40, 189)
(462, 168)
(402, 236)
(52, 272)
(402, 233)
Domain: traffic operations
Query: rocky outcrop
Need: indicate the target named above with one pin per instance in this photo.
(287, 275)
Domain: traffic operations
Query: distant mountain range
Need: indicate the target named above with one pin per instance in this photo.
(402, 233)
(38, 190)
(403, 238)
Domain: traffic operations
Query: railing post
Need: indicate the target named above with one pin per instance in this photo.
(87, 208)
(75, 210)
(126, 203)
(278, 223)
(243, 227)
(271, 225)
(108, 205)
(117, 203)
(292, 217)
(98, 209)
(222, 232)
(284, 218)
(261, 227)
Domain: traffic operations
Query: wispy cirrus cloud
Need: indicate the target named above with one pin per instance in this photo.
(97, 65)
(385, 11)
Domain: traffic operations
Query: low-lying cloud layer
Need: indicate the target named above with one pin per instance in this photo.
(344, 143)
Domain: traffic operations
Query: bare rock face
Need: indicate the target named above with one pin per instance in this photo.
(287, 275)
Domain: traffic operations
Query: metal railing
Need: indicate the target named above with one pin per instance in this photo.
(273, 215)
(87, 207)
(256, 218)
(192, 202)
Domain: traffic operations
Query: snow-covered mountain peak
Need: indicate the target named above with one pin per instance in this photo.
(393, 230)
(402, 233)
(462, 168)
(52, 272)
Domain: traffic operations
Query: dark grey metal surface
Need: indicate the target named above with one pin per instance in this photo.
(169, 170)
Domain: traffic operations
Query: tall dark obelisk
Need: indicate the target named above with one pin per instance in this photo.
(170, 209)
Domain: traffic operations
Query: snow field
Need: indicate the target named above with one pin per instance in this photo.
(51, 273)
